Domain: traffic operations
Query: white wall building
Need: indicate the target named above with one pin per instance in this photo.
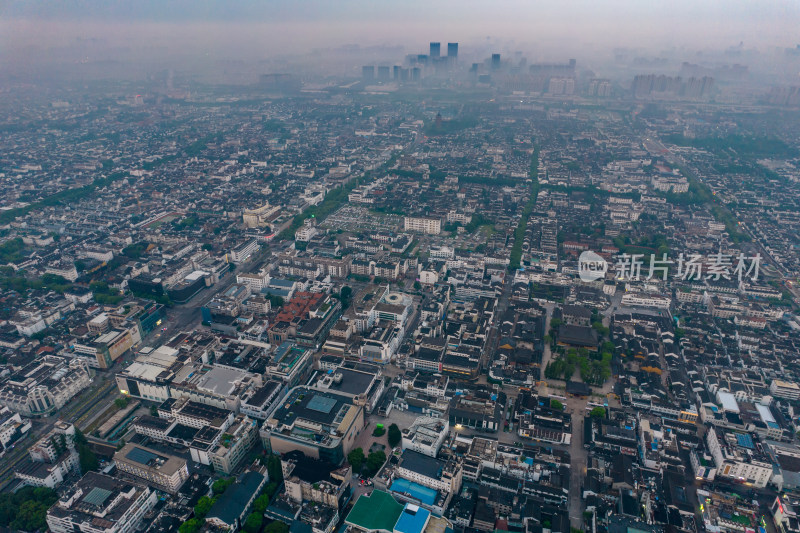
(432, 226)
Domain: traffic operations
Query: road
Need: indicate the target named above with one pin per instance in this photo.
(578, 456)
(103, 387)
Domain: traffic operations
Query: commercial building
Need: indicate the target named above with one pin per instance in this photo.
(289, 364)
(443, 476)
(452, 50)
(196, 414)
(101, 503)
(110, 346)
(44, 386)
(166, 373)
(323, 425)
(165, 472)
(363, 382)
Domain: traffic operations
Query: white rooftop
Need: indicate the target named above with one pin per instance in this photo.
(766, 414)
(728, 401)
(221, 380)
(143, 371)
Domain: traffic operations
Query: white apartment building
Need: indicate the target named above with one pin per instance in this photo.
(736, 457)
(431, 226)
(243, 252)
(256, 282)
(784, 389)
(632, 299)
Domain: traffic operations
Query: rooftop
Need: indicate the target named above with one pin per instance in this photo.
(377, 511)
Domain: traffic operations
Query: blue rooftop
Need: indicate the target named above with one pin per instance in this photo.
(422, 493)
(413, 519)
(745, 441)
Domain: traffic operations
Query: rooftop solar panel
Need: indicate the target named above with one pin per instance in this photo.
(97, 496)
(745, 441)
(321, 404)
(141, 456)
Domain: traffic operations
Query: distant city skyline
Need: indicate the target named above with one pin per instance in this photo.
(255, 29)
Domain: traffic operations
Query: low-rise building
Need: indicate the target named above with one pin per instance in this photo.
(100, 501)
(164, 472)
(234, 444)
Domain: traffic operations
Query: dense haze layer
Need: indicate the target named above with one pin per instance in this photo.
(252, 30)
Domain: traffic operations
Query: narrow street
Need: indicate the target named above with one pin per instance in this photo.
(578, 457)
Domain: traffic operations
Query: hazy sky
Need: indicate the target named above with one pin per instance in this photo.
(261, 28)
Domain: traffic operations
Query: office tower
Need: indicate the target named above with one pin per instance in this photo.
(368, 72)
(383, 73)
(396, 72)
(495, 61)
(422, 59)
(416, 74)
(452, 50)
(435, 49)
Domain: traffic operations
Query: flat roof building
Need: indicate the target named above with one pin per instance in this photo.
(101, 503)
(323, 425)
(165, 472)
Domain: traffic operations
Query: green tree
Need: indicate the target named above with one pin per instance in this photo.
(190, 526)
(121, 403)
(253, 522)
(375, 461)
(203, 507)
(87, 459)
(221, 485)
(274, 469)
(154, 410)
(395, 436)
(261, 503)
(346, 296)
(600, 328)
(555, 404)
(598, 412)
(79, 437)
(276, 527)
(356, 460)
(32, 516)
